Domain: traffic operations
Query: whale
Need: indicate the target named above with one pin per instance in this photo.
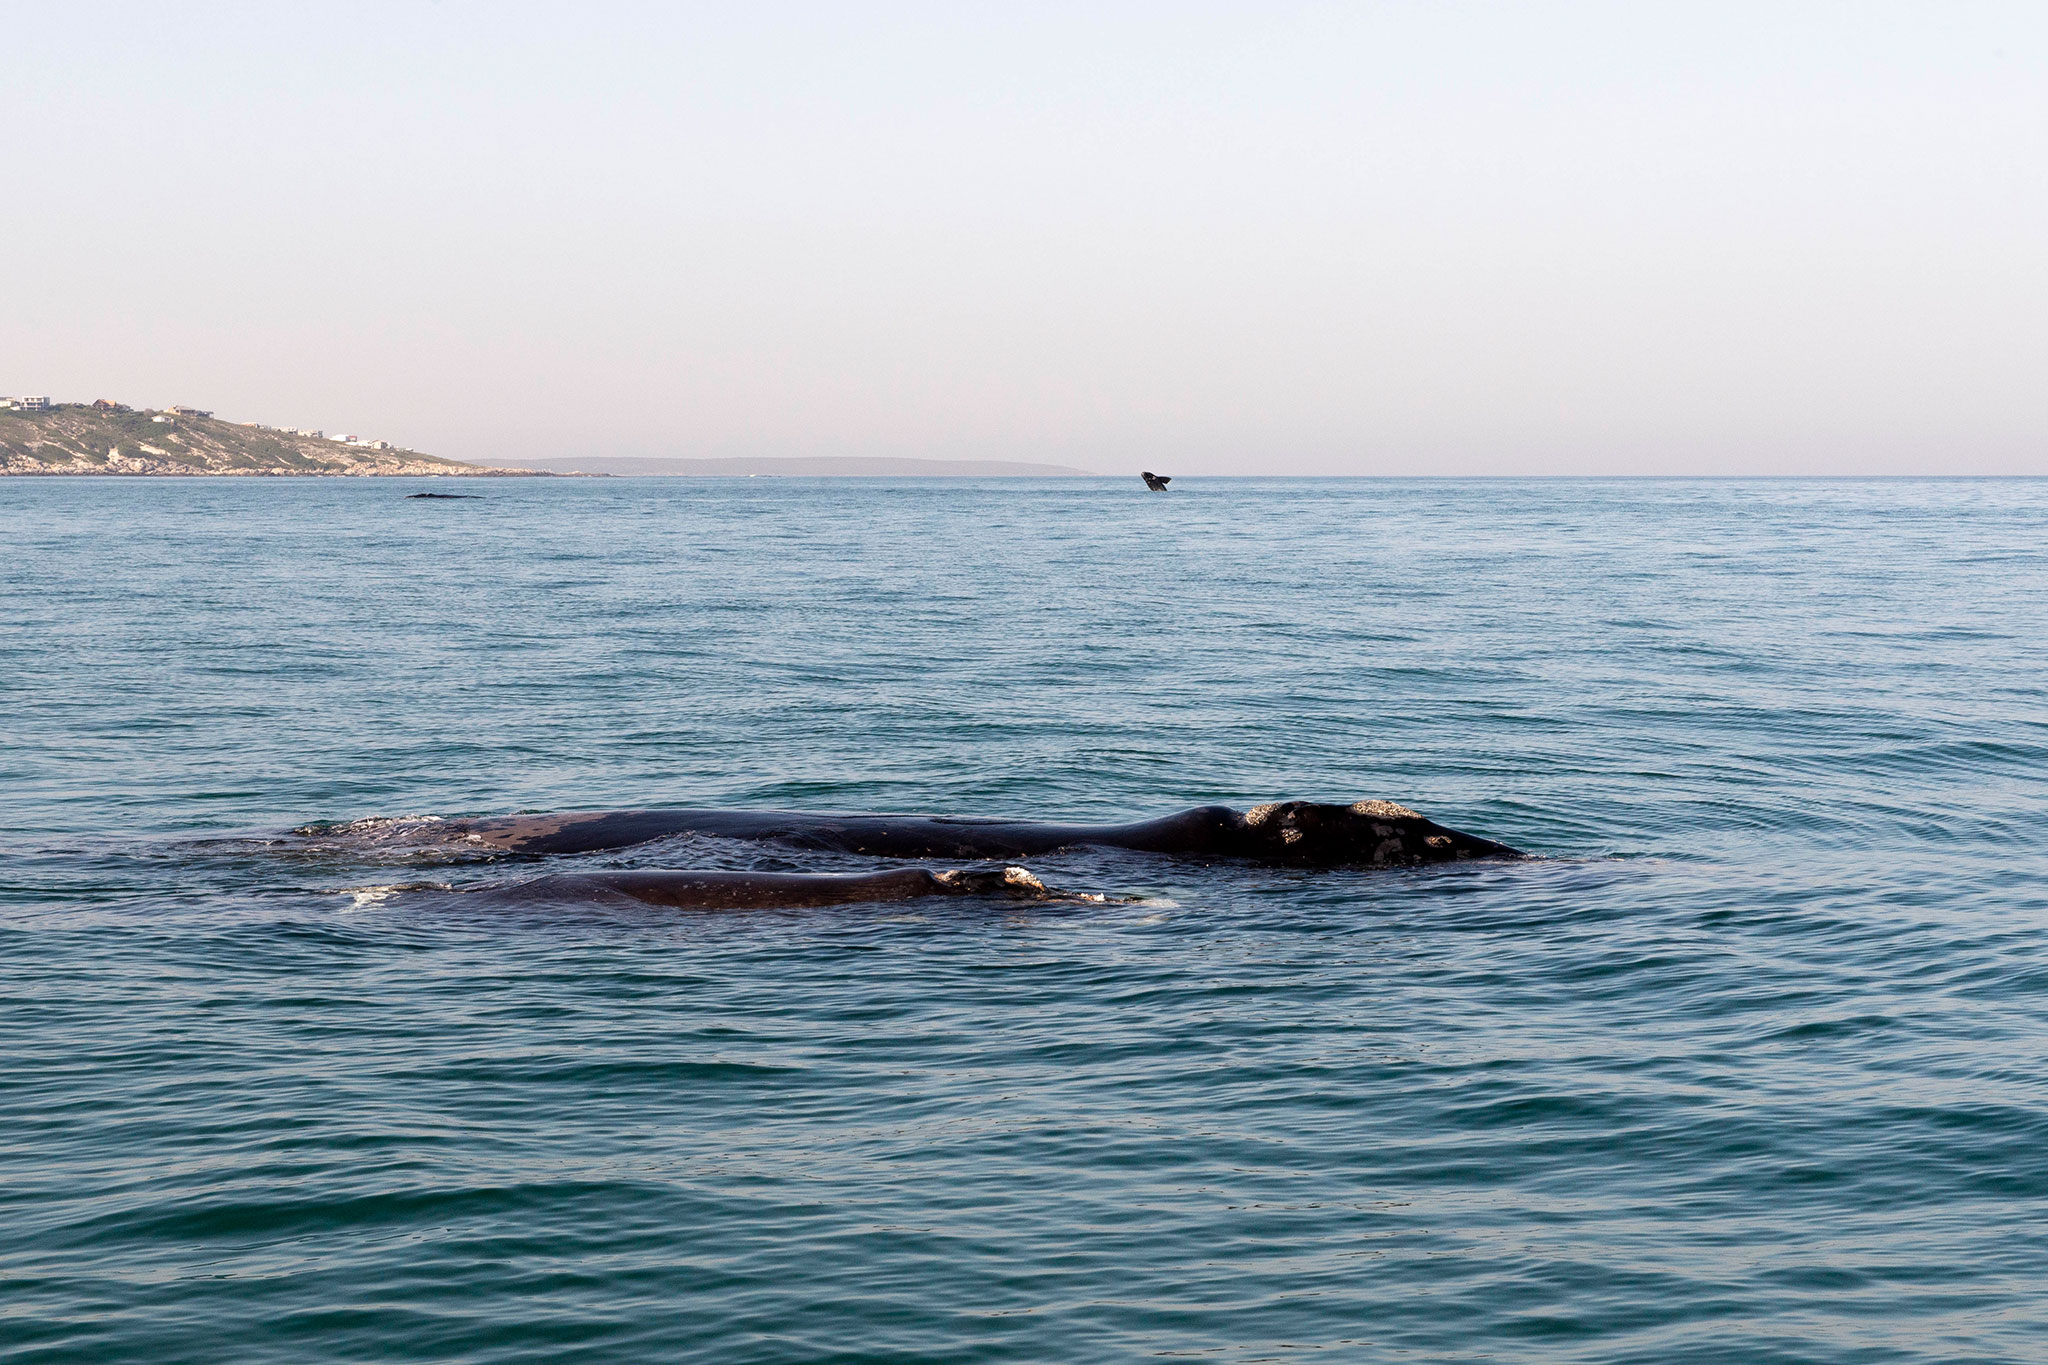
(706, 889)
(1298, 833)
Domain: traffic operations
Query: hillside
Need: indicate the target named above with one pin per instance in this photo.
(76, 438)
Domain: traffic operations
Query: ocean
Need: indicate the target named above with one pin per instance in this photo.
(1751, 1064)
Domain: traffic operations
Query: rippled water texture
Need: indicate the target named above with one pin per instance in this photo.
(1749, 1067)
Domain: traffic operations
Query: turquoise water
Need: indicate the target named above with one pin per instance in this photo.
(1752, 1066)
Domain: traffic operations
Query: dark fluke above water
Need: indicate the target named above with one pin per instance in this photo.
(703, 889)
(1365, 833)
(1156, 482)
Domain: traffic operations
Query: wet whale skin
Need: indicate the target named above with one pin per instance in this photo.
(1363, 833)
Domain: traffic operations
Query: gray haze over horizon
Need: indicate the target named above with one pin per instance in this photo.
(1204, 239)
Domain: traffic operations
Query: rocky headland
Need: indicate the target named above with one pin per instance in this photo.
(108, 438)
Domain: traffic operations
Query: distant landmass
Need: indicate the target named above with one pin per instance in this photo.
(40, 437)
(822, 467)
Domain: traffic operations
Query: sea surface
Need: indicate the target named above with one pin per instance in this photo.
(1750, 1065)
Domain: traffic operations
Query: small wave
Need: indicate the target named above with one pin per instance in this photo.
(367, 897)
(390, 838)
(372, 824)
(378, 829)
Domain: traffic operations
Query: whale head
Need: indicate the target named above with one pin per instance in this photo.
(1365, 833)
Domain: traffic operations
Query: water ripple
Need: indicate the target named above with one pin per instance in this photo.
(1749, 1067)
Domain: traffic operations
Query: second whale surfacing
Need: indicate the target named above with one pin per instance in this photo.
(1296, 833)
(694, 889)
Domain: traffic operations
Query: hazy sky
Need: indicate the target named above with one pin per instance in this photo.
(1363, 238)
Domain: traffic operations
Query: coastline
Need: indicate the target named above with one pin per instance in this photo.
(402, 472)
(107, 438)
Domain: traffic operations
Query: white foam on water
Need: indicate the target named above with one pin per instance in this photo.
(373, 824)
(369, 897)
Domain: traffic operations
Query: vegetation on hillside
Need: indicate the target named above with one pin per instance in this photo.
(77, 438)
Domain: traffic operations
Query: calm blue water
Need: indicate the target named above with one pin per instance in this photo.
(1752, 1067)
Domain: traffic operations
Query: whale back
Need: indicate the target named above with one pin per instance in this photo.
(1364, 833)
